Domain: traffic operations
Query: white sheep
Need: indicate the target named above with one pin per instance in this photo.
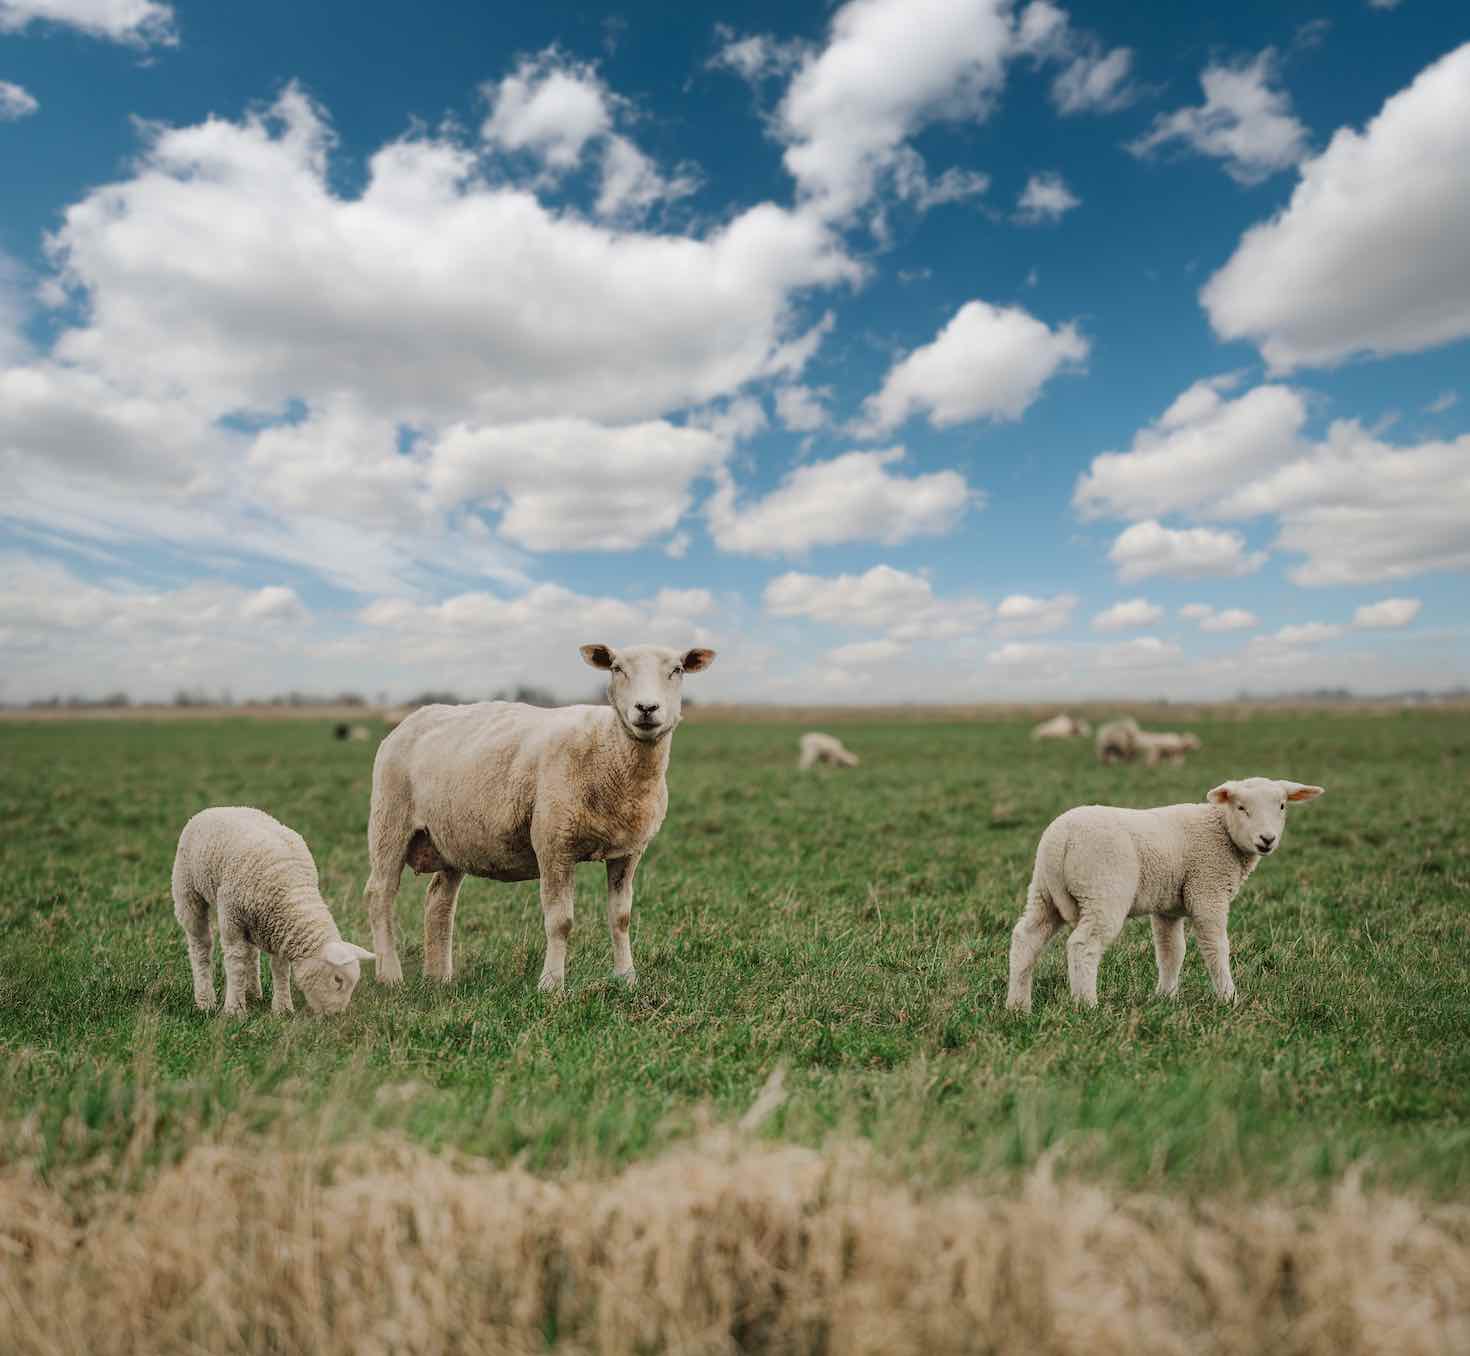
(1061, 726)
(1098, 865)
(514, 792)
(1157, 745)
(824, 748)
(1117, 741)
(259, 877)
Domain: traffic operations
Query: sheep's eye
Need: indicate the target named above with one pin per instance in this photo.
(1245, 812)
(617, 668)
(677, 671)
(338, 980)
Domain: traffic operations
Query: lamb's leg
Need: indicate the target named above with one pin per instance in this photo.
(254, 975)
(806, 760)
(193, 913)
(1214, 946)
(558, 891)
(240, 956)
(1168, 952)
(1037, 925)
(439, 923)
(1097, 926)
(281, 986)
(387, 843)
(620, 914)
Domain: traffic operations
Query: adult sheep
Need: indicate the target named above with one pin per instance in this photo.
(814, 748)
(1062, 726)
(514, 792)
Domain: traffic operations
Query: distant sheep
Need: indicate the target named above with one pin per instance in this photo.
(1158, 746)
(1062, 726)
(824, 748)
(1098, 865)
(1117, 741)
(1121, 741)
(514, 792)
(259, 877)
(358, 733)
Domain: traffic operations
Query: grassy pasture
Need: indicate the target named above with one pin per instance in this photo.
(850, 929)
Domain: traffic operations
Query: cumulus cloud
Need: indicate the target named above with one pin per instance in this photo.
(551, 107)
(1093, 79)
(1372, 254)
(800, 408)
(1307, 633)
(1243, 121)
(16, 102)
(138, 23)
(1027, 656)
(1021, 614)
(1150, 548)
(632, 183)
(1230, 619)
(756, 56)
(883, 598)
(1391, 612)
(989, 362)
(1129, 615)
(1046, 198)
(853, 497)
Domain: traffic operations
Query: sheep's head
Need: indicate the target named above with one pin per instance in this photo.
(327, 979)
(645, 684)
(1255, 810)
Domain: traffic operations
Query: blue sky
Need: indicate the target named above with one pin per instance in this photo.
(901, 349)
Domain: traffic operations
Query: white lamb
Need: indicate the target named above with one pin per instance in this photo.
(514, 792)
(1098, 865)
(1157, 745)
(1061, 726)
(260, 878)
(824, 748)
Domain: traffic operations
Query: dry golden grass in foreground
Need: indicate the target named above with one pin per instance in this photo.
(725, 1244)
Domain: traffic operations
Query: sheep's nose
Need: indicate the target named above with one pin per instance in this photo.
(646, 708)
(1267, 839)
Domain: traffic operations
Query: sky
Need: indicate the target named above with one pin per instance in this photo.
(898, 350)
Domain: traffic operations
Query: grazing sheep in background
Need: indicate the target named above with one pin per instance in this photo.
(359, 733)
(1098, 865)
(514, 792)
(260, 878)
(1160, 745)
(824, 748)
(1062, 726)
(1117, 741)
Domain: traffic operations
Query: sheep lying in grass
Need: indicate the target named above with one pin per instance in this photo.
(824, 748)
(1098, 865)
(1062, 726)
(1158, 746)
(515, 792)
(259, 876)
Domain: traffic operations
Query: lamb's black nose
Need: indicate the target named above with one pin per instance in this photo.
(1267, 839)
(646, 708)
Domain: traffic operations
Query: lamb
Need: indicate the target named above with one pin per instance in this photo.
(1117, 741)
(824, 748)
(513, 792)
(1158, 745)
(260, 878)
(1061, 726)
(1099, 865)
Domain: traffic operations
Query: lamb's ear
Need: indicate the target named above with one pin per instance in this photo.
(696, 661)
(340, 953)
(1221, 794)
(1297, 791)
(599, 656)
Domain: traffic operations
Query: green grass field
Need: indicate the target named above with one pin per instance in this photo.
(851, 928)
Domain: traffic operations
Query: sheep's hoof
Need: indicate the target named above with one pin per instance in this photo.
(236, 1010)
(550, 984)
(389, 971)
(205, 1002)
(1021, 1005)
(628, 977)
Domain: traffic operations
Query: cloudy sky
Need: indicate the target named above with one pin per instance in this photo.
(899, 349)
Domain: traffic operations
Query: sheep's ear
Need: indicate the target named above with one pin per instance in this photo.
(340, 953)
(1220, 795)
(1297, 791)
(599, 656)
(696, 661)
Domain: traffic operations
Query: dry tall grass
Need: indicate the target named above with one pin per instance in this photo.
(725, 1245)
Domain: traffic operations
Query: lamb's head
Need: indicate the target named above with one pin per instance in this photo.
(327, 979)
(1255, 810)
(645, 684)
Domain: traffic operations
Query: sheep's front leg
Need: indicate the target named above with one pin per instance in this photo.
(1097, 927)
(620, 914)
(1168, 952)
(240, 959)
(1214, 946)
(1038, 924)
(558, 892)
(439, 923)
(254, 975)
(281, 986)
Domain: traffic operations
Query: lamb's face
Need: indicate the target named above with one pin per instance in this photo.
(1255, 811)
(327, 981)
(645, 684)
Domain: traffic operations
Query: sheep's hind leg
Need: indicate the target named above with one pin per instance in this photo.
(1095, 931)
(1037, 925)
(255, 991)
(620, 914)
(240, 957)
(558, 892)
(439, 905)
(193, 913)
(281, 987)
(1168, 952)
(387, 845)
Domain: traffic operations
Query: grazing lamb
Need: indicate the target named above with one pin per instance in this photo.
(260, 878)
(1098, 865)
(1117, 741)
(1062, 726)
(824, 748)
(515, 792)
(1156, 746)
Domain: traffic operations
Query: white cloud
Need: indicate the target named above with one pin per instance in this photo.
(800, 408)
(853, 497)
(1372, 254)
(1231, 619)
(1196, 611)
(757, 56)
(1306, 633)
(16, 102)
(1095, 82)
(1129, 615)
(883, 598)
(1242, 121)
(274, 603)
(1029, 656)
(1444, 401)
(1021, 614)
(1384, 4)
(912, 183)
(632, 183)
(138, 23)
(1142, 652)
(989, 362)
(1390, 612)
(550, 107)
(1046, 198)
(867, 652)
(888, 68)
(1149, 548)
